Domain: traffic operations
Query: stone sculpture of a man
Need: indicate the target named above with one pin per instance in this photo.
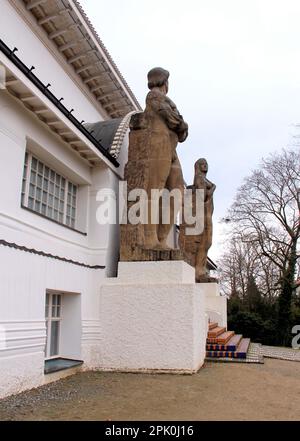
(153, 162)
(167, 129)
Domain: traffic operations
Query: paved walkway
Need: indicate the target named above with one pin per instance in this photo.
(280, 353)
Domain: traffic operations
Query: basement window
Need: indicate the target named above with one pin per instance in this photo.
(53, 324)
(63, 331)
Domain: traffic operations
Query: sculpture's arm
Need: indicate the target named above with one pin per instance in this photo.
(168, 111)
(210, 189)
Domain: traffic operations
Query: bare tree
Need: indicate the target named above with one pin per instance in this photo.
(266, 208)
(266, 213)
(241, 262)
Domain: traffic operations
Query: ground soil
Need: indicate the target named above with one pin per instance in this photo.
(219, 391)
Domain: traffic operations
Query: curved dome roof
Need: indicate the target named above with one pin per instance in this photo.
(111, 133)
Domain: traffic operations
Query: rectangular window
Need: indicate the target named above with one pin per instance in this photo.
(53, 324)
(47, 192)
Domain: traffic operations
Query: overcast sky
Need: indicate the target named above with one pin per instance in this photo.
(234, 75)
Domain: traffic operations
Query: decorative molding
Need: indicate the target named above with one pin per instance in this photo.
(29, 334)
(50, 256)
(120, 134)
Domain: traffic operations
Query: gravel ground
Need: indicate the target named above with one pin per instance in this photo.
(219, 391)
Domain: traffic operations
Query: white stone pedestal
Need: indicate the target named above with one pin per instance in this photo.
(152, 318)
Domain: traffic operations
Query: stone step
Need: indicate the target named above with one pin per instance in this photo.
(214, 333)
(222, 339)
(241, 351)
(217, 340)
(212, 326)
(231, 345)
(225, 337)
(220, 354)
(243, 348)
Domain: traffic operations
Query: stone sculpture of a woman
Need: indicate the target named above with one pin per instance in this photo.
(195, 247)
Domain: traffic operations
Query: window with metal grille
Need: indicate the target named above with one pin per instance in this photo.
(47, 192)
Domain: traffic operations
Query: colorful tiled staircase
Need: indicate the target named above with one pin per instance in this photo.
(225, 344)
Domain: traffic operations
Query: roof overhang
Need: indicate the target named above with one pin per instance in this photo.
(22, 84)
(65, 26)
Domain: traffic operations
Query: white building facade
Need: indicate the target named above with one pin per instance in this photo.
(64, 119)
(64, 116)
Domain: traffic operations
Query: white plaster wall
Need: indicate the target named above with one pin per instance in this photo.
(32, 51)
(18, 129)
(216, 309)
(215, 304)
(16, 126)
(24, 277)
(21, 372)
(104, 235)
(24, 280)
(113, 251)
(91, 341)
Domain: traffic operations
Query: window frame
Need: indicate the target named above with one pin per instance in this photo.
(25, 193)
(49, 319)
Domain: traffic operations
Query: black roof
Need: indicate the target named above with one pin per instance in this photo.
(104, 131)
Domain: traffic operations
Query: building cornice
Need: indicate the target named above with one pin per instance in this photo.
(66, 29)
(40, 33)
(105, 51)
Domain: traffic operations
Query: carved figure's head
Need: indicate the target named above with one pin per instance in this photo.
(158, 77)
(201, 166)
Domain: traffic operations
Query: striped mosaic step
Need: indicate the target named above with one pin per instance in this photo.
(241, 351)
(222, 339)
(231, 345)
(243, 347)
(225, 337)
(211, 326)
(215, 332)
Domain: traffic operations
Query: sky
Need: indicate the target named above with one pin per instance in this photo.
(234, 75)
